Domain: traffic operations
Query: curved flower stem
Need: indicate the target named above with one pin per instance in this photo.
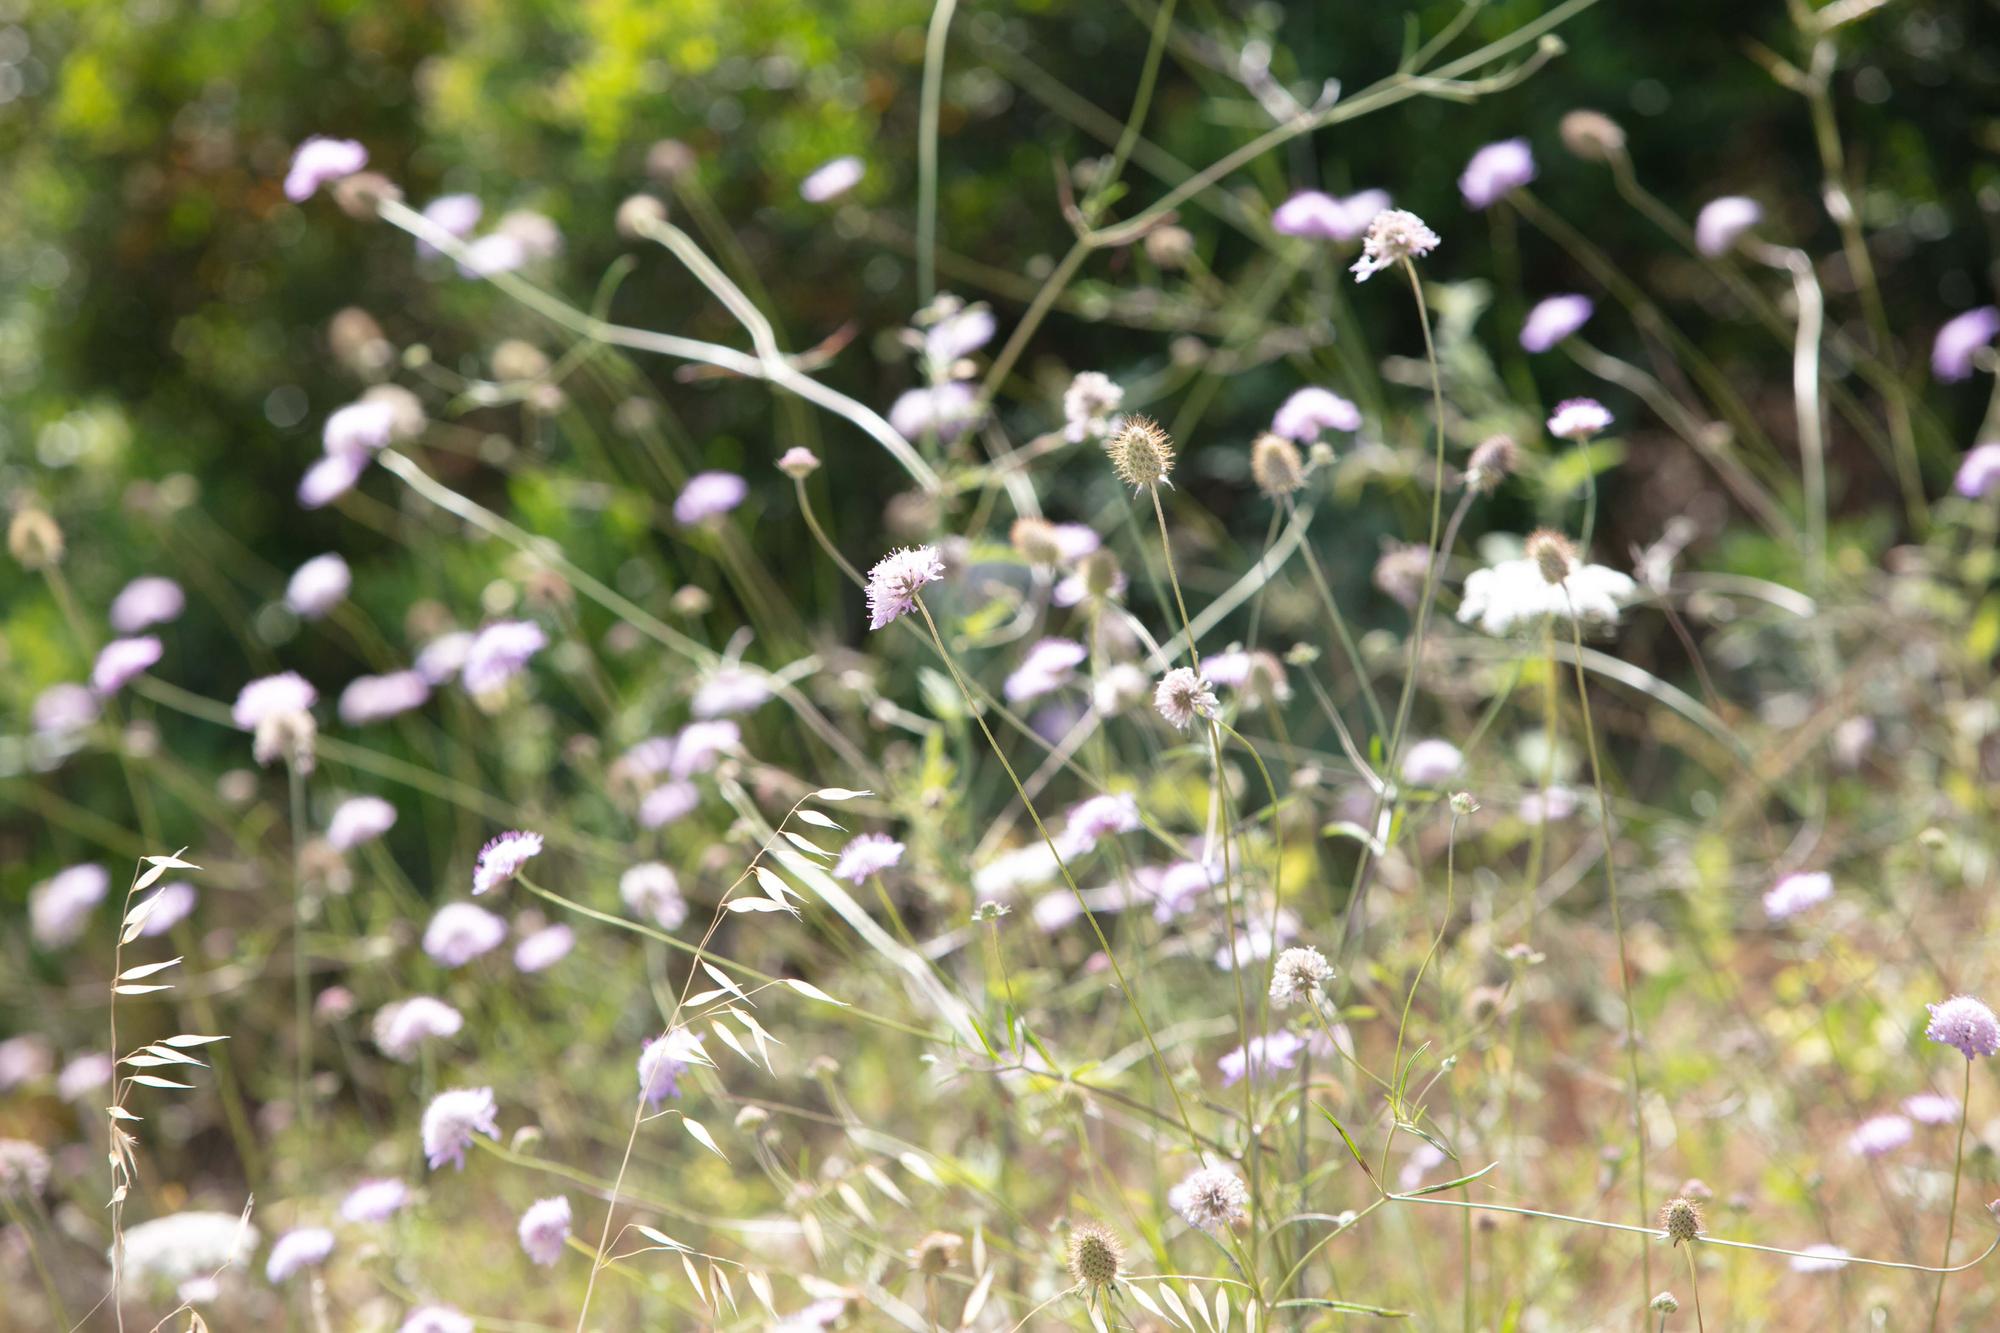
(301, 987)
(1951, 1218)
(1624, 962)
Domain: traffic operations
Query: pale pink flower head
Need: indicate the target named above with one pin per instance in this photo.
(444, 657)
(1495, 171)
(272, 696)
(317, 586)
(798, 462)
(1213, 1198)
(1264, 1059)
(121, 660)
(460, 932)
(1182, 696)
(1966, 1024)
(663, 1060)
(651, 890)
(402, 1028)
(1394, 235)
(321, 161)
(1879, 1135)
(544, 949)
(304, 1247)
(24, 1059)
(1979, 472)
(146, 601)
(435, 1319)
(1722, 222)
(457, 214)
(1431, 762)
(499, 653)
(1578, 419)
(377, 698)
(1796, 893)
(667, 803)
(730, 689)
(85, 1076)
(60, 906)
(865, 855)
(64, 709)
(708, 496)
(1553, 319)
(1955, 352)
(1311, 412)
(896, 579)
(374, 1201)
(452, 1119)
(1929, 1108)
(502, 858)
(947, 410)
(359, 429)
(1096, 818)
(1048, 666)
(495, 252)
(1090, 405)
(544, 1229)
(1424, 1158)
(330, 477)
(1321, 217)
(699, 745)
(174, 901)
(959, 333)
(832, 179)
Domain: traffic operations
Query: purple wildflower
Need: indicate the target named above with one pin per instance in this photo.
(650, 890)
(317, 586)
(1266, 1056)
(173, 902)
(444, 657)
(958, 334)
(1965, 1023)
(1496, 170)
(148, 600)
(730, 689)
(544, 1229)
(1395, 235)
(1182, 696)
(357, 820)
(330, 477)
(500, 652)
(502, 858)
(1796, 893)
(121, 661)
(1322, 217)
(376, 698)
(402, 1028)
(544, 949)
(1578, 419)
(1432, 762)
(24, 1059)
(457, 214)
(1553, 319)
(1929, 1108)
(374, 1201)
(1879, 1135)
(1722, 222)
(894, 582)
(60, 905)
(708, 496)
(305, 1247)
(451, 1121)
(62, 709)
(1954, 353)
(359, 429)
(1099, 817)
(832, 179)
(1311, 412)
(435, 1319)
(661, 1063)
(320, 161)
(947, 410)
(868, 854)
(1049, 665)
(460, 932)
(698, 746)
(85, 1076)
(666, 803)
(1979, 473)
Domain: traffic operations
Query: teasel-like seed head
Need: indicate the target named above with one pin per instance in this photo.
(1552, 553)
(33, 538)
(1276, 465)
(1034, 540)
(1095, 1256)
(1141, 452)
(1492, 462)
(1681, 1219)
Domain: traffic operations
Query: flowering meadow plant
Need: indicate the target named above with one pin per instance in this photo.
(1282, 729)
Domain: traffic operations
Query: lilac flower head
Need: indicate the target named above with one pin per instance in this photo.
(460, 932)
(330, 477)
(1959, 342)
(444, 657)
(708, 496)
(1722, 222)
(1929, 1108)
(947, 410)
(457, 214)
(1049, 665)
(402, 1028)
(121, 660)
(959, 333)
(357, 820)
(650, 890)
(865, 855)
(1092, 820)
(62, 709)
(1796, 893)
(148, 600)
(1311, 412)
(666, 803)
(730, 689)
(60, 906)
(831, 180)
(24, 1059)
(500, 652)
(1496, 170)
(1879, 1135)
(1180, 886)
(1394, 235)
(698, 746)
(1431, 762)
(1213, 1198)
(317, 586)
(1554, 319)
(320, 161)
(305, 1247)
(1965, 1023)
(359, 428)
(1321, 217)
(895, 580)
(1578, 419)
(544, 949)
(377, 698)
(374, 1201)
(544, 1229)
(173, 902)
(492, 253)
(1265, 1058)
(451, 1121)
(435, 1319)
(1979, 474)
(85, 1076)
(661, 1063)
(1183, 695)
(502, 858)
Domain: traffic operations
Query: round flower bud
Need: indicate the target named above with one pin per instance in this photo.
(669, 158)
(1276, 465)
(518, 360)
(1665, 1303)
(1095, 1257)
(1681, 1219)
(1141, 452)
(638, 214)
(798, 462)
(1552, 554)
(1592, 136)
(34, 539)
(1169, 247)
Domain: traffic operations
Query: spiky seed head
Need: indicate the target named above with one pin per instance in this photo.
(34, 539)
(1141, 452)
(1276, 465)
(936, 1252)
(1095, 1256)
(1666, 1302)
(638, 214)
(1682, 1220)
(1592, 135)
(1034, 540)
(1552, 553)
(1493, 461)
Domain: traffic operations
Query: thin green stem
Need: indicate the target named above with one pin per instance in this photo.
(1951, 1218)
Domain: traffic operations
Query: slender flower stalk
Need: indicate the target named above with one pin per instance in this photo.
(1951, 1218)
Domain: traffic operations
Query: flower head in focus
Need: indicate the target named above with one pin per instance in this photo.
(1298, 975)
(502, 858)
(1394, 236)
(896, 579)
(1182, 696)
(1966, 1024)
(1212, 1198)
